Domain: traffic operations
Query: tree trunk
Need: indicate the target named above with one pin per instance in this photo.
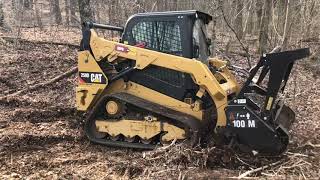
(173, 5)
(85, 11)
(28, 4)
(264, 28)
(13, 11)
(239, 17)
(281, 15)
(192, 4)
(1, 15)
(113, 12)
(160, 5)
(38, 14)
(286, 27)
(259, 7)
(312, 13)
(67, 10)
(165, 2)
(13, 4)
(98, 9)
(73, 17)
(57, 12)
(249, 24)
(213, 31)
(213, 37)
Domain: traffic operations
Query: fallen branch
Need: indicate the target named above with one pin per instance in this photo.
(168, 146)
(159, 151)
(297, 154)
(243, 54)
(14, 39)
(39, 85)
(276, 49)
(258, 169)
(313, 145)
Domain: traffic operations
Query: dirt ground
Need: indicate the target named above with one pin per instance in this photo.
(41, 131)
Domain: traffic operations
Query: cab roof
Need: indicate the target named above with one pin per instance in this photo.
(198, 14)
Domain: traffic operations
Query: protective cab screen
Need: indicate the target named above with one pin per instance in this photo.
(162, 36)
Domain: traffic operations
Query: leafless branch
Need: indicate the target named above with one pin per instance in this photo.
(37, 86)
(247, 173)
(15, 39)
(242, 45)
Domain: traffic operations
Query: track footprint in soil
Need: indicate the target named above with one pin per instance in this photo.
(41, 115)
(28, 142)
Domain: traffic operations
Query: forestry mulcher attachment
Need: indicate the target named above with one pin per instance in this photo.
(158, 84)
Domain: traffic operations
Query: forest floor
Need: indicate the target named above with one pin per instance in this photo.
(41, 131)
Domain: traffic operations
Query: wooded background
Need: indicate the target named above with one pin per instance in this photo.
(41, 133)
(259, 25)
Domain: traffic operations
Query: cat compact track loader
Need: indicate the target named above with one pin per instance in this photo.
(158, 84)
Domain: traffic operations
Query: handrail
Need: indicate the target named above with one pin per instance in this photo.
(91, 25)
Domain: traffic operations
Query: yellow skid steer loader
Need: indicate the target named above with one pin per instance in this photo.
(159, 84)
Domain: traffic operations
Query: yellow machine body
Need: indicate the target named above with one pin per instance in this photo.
(158, 84)
(104, 50)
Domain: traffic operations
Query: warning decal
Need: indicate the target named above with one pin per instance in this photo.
(242, 119)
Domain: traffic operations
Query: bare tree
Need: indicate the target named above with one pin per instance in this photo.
(67, 10)
(1, 15)
(281, 15)
(238, 20)
(264, 26)
(28, 4)
(249, 24)
(73, 7)
(85, 10)
(310, 12)
(113, 11)
(98, 5)
(259, 11)
(173, 5)
(56, 11)
(38, 14)
(286, 27)
(161, 5)
(268, 22)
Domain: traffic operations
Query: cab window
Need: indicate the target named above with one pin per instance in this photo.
(200, 43)
(162, 36)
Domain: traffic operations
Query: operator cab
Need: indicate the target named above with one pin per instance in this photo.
(181, 33)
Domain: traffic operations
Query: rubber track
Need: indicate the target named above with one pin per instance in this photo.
(192, 124)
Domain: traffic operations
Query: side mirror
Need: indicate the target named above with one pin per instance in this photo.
(208, 41)
(210, 46)
(195, 51)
